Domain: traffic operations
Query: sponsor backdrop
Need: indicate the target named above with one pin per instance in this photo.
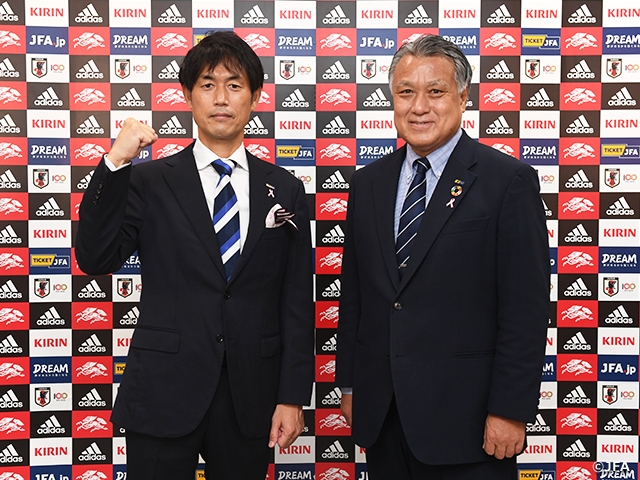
(556, 84)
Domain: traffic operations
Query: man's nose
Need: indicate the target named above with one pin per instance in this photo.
(421, 103)
(220, 96)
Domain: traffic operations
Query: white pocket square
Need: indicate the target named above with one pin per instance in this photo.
(278, 216)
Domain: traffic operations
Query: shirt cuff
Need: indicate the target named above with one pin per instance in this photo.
(112, 167)
(346, 390)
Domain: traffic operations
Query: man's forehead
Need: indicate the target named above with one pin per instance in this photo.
(223, 69)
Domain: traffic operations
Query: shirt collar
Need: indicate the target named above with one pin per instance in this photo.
(204, 156)
(439, 157)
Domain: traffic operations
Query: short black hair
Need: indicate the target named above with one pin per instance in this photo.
(226, 48)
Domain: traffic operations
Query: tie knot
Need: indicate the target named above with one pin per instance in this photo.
(222, 167)
(422, 165)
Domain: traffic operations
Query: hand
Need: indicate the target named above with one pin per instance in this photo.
(503, 437)
(133, 137)
(346, 406)
(286, 424)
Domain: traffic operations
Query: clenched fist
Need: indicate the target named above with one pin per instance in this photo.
(133, 137)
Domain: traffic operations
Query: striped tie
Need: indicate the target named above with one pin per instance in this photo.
(412, 211)
(226, 217)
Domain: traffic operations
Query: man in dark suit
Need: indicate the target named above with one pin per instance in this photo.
(445, 288)
(221, 360)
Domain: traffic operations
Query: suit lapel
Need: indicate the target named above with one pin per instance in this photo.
(259, 206)
(184, 181)
(438, 212)
(384, 189)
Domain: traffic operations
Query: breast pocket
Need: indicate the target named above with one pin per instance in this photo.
(472, 225)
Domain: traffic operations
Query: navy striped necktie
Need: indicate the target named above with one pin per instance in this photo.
(226, 217)
(412, 210)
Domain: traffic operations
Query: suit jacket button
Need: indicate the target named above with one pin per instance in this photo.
(397, 306)
(227, 295)
(219, 338)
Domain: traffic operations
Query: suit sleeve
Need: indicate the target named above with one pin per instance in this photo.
(523, 276)
(297, 312)
(110, 217)
(349, 299)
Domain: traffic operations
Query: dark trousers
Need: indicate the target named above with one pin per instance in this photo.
(390, 458)
(227, 453)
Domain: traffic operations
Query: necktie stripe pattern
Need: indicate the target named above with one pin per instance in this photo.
(226, 217)
(412, 211)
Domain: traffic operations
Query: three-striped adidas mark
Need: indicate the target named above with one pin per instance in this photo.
(254, 17)
(539, 426)
(336, 16)
(578, 289)
(376, 99)
(10, 400)
(582, 16)
(579, 126)
(295, 100)
(8, 180)
(577, 396)
(90, 126)
(501, 15)
(50, 317)
(92, 454)
(578, 235)
(89, 14)
(331, 345)
(577, 342)
(10, 455)
(7, 125)
(581, 70)
(89, 71)
(172, 127)
(617, 424)
(576, 450)
(92, 345)
(170, 71)
(131, 317)
(131, 99)
(9, 291)
(7, 14)
(418, 16)
(336, 72)
(172, 15)
(622, 98)
(336, 127)
(333, 397)
(540, 99)
(500, 71)
(7, 70)
(51, 427)
(255, 127)
(335, 182)
(83, 183)
(579, 180)
(9, 346)
(92, 290)
(620, 207)
(335, 235)
(335, 451)
(499, 126)
(92, 399)
(50, 208)
(48, 98)
(619, 316)
(333, 290)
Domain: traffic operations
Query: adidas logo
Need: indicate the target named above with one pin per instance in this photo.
(50, 208)
(90, 127)
(8, 180)
(10, 400)
(172, 127)
(576, 450)
(618, 316)
(330, 345)
(578, 289)
(92, 290)
(578, 235)
(84, 181)
(48, 98)
(7, 125)
(335, 181)
(7, 70)
(172, 15)
(419, 16)
(254, 17)
(499, 127)
(90, 70)
(336, 72)
(333, 290)
(540, 426)
(92, 345)
(577, 342)
(255, 127)
(501, 15)
(577, 396)
(617, 424)
(10, 346)
(335, 235)
(581, 70)
(295, 100)
(500, 72)
(540, 99)
(376, 99)
(622, 99)
(131, 99)
(582, 15)
(336, 17)
(50, 317)
(336, 127)
(580, 125)
(579, 180)
(335, 451)
(10, 455)
(9, 291)
(170, 72)
(9, 235)
(92, 454)
(51, 427)
(131, 317)
(7, 14)
(333, 397)
(88, 15)
(92, 399)
(620, 207)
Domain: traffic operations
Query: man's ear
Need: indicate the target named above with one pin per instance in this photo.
(255, 99)
(464, 96)
(187, 95)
